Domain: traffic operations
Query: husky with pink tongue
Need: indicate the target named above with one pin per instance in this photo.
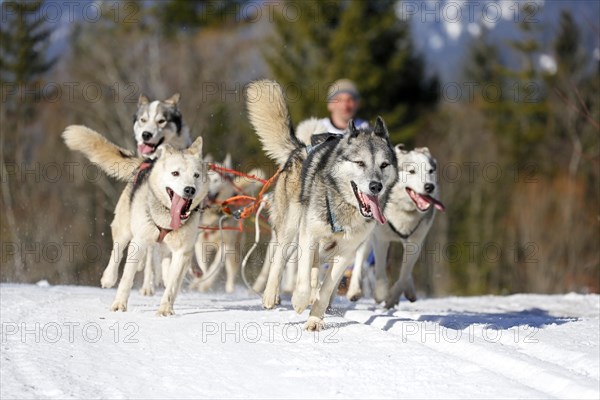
(328, 197)
(410, 213)
(165, 204)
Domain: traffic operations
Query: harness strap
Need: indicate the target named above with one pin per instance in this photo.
(318, 139)
(142, 172)
(335, 228)
(224, 171)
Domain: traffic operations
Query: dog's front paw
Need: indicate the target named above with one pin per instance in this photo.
(354, 294)
(108, 280)
(391, 301)
(314, 324)
(270, 299)
(147, 291)
(301, 299)
(165, 310)
(381, 292)
(408, 288)
(119, 305)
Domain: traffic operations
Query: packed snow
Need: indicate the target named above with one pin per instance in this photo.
(63, 342)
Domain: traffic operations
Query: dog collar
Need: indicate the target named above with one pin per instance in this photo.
(162, 232)
(402, 235)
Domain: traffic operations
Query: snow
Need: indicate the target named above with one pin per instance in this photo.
(62, 342)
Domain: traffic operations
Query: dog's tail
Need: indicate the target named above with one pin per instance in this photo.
(270, 118)
(112, 159)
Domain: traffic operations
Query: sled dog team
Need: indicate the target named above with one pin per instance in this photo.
(337, 197)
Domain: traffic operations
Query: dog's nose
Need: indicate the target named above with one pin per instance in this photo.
(146, 135)
(189, 191)
(429, 187)
(375, 187)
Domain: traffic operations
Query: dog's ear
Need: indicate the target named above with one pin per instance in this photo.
(196, 148)
(143, 100)
(424, 150)
(380, 128)
(227, 163)
(163, 149)
(400, 147)
(173, 100)
(209, 158)
(352, 129)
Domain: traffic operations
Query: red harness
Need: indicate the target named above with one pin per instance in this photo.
(252, 203)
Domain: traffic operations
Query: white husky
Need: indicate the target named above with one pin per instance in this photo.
(155, 123)
(164, 206)
(410, 213)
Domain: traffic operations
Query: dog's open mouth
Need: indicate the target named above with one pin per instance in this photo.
(180, 209)
(368, 205)
(147, 148)
(424, 201)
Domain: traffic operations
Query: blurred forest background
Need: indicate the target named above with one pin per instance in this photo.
(514, 123)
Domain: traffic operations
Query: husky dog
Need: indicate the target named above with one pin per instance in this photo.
(155, 123)
(410, 213)
(165, 200)
(226, 245)
(307, 132)
(159, 122)
(325, 200)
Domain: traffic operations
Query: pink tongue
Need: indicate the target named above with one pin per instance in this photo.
(177, 204)
(422, 201)
(438, 204)
(373, 202)
(145, 149)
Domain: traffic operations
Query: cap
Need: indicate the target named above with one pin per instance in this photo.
(342, 86)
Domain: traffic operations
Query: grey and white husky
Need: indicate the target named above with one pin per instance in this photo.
(326, 199)
(164, 207)
(410, 212)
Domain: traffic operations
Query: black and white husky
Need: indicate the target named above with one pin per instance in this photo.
(157, 122)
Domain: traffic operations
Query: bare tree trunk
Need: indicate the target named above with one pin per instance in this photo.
(8, 212)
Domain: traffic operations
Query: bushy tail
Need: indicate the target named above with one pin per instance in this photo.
(112, 159)
(270, 118)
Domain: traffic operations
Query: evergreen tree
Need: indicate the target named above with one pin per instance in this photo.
(483, 65)
(24, 40)
(567, 47)
(23, 44)
(360, 40)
